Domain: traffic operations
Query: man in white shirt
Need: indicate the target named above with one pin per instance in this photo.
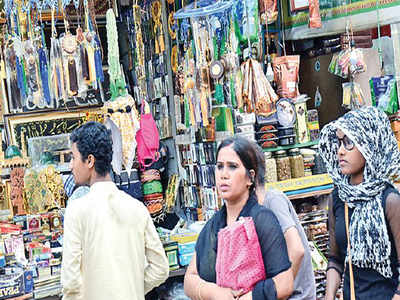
(111, 249)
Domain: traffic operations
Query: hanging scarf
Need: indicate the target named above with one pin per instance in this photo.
(117, 83)
(44, 75)
(370, 131)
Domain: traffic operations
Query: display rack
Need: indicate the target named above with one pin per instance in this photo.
(309, 144)
(303, 184)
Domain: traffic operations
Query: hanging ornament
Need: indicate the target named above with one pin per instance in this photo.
(158, 30)
(172, 25)
(270, 72)
(317, 98)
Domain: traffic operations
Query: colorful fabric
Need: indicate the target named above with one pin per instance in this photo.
(152, 187)
(370, 130)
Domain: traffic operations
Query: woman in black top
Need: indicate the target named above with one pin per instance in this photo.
(361, 155)
(235, 173)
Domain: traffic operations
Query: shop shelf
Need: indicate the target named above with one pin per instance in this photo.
(310, 192)
(304, 187)
(309, 144)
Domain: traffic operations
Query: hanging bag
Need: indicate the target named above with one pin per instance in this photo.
(346, 216)
(147, 139)
(132, 186)
(239, 263)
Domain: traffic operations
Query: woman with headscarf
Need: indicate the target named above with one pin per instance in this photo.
(362, 156)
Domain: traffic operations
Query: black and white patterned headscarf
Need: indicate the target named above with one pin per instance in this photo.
(370, 131)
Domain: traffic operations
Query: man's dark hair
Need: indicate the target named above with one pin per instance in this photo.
(260, 178)
(94, 138)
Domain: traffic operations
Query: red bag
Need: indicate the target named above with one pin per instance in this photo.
(239, 263)
(147, 139)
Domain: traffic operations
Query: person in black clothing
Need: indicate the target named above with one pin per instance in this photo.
(361, 155)
(235, 175)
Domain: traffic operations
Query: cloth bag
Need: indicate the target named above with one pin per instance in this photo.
(147, 139)
(132, 187)
(239, 263)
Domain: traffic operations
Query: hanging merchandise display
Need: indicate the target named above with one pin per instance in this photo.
(172, 192)
(222, 63)
(246, 21)
(42, 79)
(69, 53)
(314, 18)
(268, 10)
(347, 63)
(157, 27)
(286, 73)
(352, 95)
(384, 93)
(147, 139)
(117, 82)
(317, 98)
(123, 114)
(153, 194)
(258, 95)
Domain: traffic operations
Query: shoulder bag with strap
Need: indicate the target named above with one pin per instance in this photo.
(346, 217)
(147, 139)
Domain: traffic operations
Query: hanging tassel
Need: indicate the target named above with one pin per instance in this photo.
(15, 94)
(204, 107)
(73, 77)
(21, 80)
(98, 61)
(233, 92)
(219, 94)
(187, 113)
(84, 62)
(44, 75)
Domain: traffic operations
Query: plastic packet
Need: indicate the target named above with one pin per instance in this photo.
(268, 10)
(286, 73)
(356, 61)
(357, 97)
(353, 97)
(315, 17)
(384, 94)
(346, 94)
(246, 20)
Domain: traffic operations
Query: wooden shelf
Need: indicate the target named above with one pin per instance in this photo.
(300, 183)
(310, 194)
(309, 144)
(304, 187)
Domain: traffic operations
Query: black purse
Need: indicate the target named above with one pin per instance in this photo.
(130, 185)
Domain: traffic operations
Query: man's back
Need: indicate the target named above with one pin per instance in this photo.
(111, 241)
